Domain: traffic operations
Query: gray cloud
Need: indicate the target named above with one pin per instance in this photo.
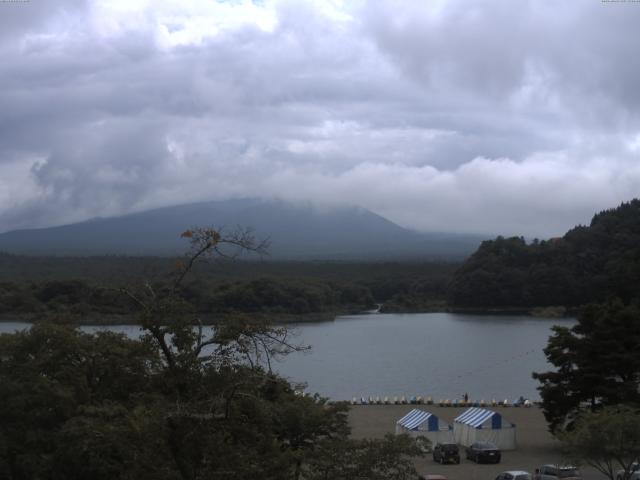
(18, 18)
(492, 118)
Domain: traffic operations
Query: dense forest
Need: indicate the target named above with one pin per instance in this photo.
(91, 288)
(588, 264)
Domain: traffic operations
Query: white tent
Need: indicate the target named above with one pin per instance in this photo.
(480, 425)
(418, 423)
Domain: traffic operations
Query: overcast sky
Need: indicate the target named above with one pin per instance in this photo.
(493, 117)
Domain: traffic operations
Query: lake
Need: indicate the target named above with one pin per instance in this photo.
(440, 355)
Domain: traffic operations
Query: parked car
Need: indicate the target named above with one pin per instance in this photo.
(446, 453)
(483, 452)
(632, 474)
(557, 472)
(514, 475)
(432, 477)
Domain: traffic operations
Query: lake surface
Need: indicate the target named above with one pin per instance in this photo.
(432, 354)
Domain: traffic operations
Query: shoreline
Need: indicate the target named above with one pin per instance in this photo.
(94, 319)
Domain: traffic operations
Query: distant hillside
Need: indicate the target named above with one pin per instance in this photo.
(35, 287)
(588, 264)
(296, 232)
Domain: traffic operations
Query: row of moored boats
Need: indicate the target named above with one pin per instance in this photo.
(520, 402)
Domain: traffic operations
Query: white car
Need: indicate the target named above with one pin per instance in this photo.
(632, 474)
(514, 475)
(557, 472)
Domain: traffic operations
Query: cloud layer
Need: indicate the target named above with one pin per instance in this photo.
(495, 117)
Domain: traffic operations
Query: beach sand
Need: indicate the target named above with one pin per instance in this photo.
(536, 446)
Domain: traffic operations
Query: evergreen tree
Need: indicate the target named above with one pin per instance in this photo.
(597, 363)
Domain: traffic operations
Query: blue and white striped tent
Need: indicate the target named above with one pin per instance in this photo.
(481, 425)
(426, 424)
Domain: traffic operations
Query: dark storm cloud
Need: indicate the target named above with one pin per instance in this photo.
(494, 117)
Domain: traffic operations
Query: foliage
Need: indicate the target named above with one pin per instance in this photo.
(371, 459)
(49, 375)
(384, 279)
(597, 363)
(588, 264)
(262, 295)
(180, 402)
(271, 289)
(607, 440)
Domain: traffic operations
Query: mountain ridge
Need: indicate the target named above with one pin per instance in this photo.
(295, 231)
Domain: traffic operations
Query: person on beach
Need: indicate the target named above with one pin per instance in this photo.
(466, 398)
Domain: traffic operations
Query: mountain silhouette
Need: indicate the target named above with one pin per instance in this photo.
(296, 232)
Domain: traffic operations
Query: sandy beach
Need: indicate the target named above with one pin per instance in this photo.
(536, 446)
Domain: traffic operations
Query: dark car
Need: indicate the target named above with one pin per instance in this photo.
(483, 452)
(446, 453)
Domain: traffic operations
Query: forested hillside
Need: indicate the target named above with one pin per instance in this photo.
(35, 288)
(588, 264)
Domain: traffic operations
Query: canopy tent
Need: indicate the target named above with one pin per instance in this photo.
(480, 425)
(418, 423)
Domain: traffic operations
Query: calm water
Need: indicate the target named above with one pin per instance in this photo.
(436, 354)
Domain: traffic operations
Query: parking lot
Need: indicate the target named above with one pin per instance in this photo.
(536, 446)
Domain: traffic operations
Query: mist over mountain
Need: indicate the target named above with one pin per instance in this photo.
(295, 232)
